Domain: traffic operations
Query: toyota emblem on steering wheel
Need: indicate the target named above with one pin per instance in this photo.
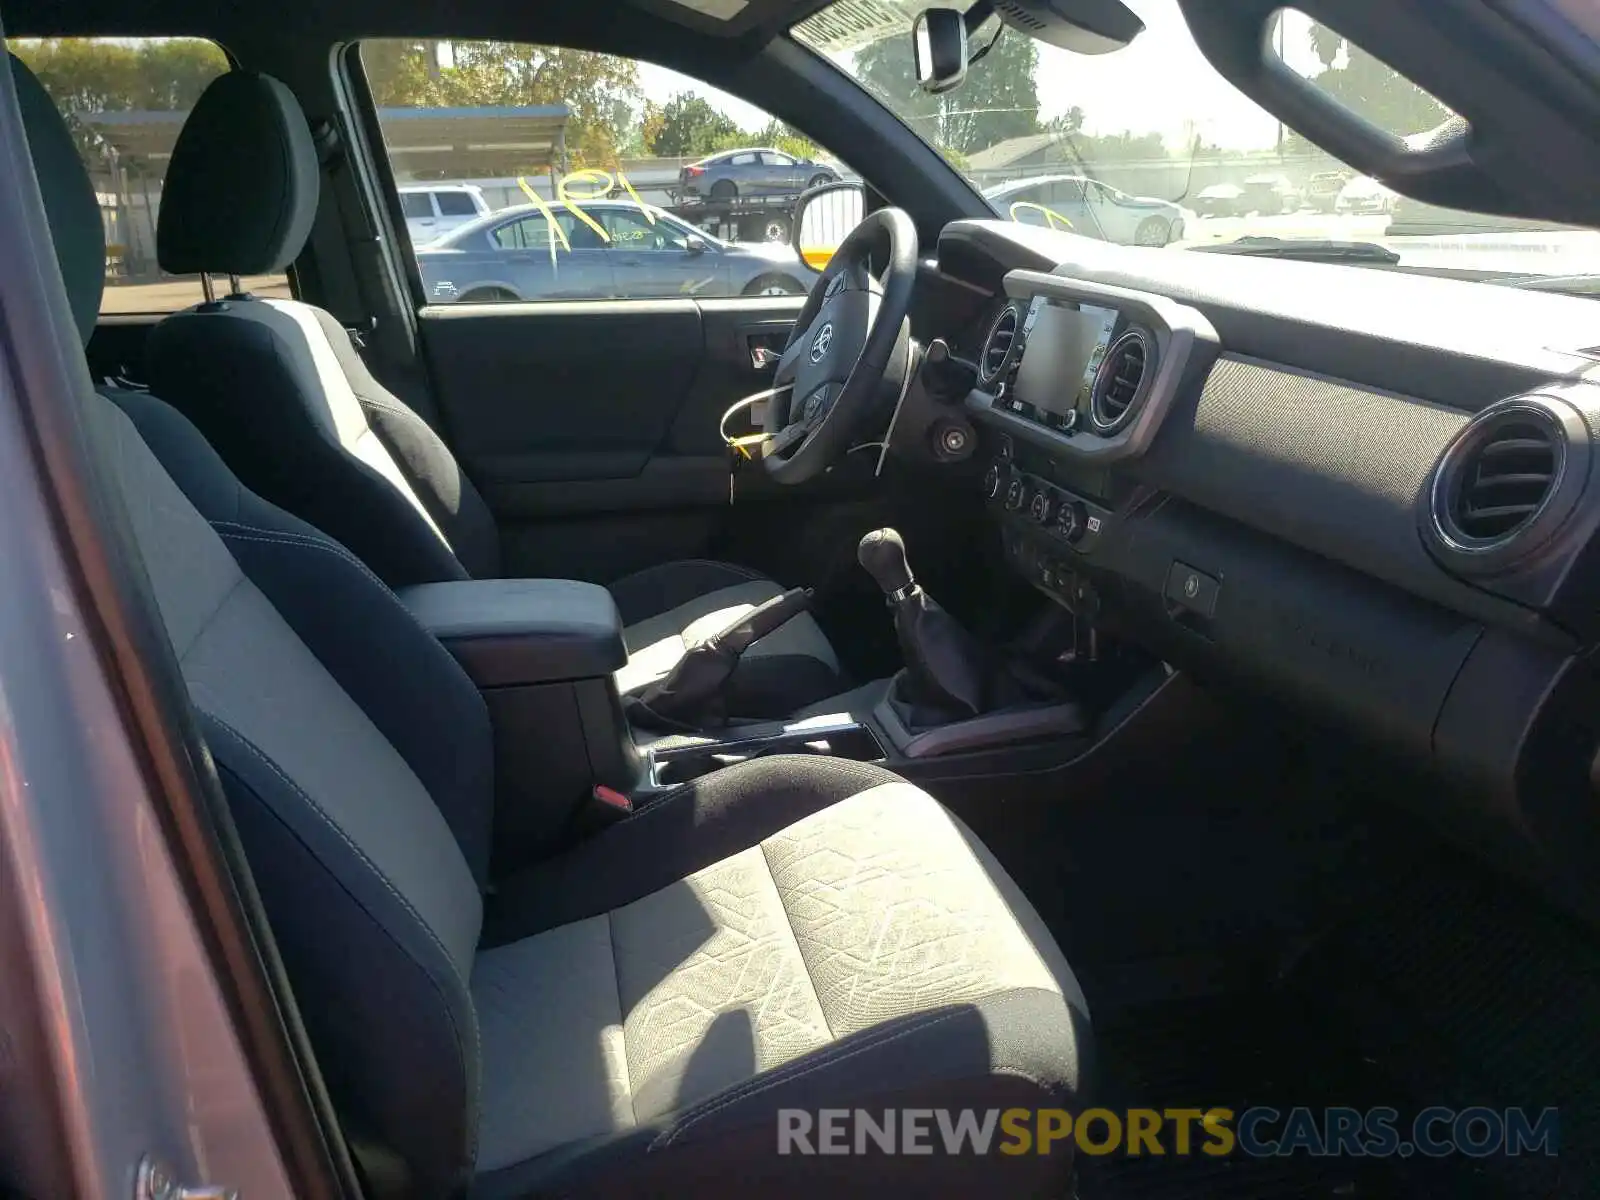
(824, 339)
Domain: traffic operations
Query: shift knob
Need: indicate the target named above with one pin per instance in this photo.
(883, 555)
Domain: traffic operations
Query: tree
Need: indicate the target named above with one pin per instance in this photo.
(785, 137)
(690, 126)
(1370, 87)
(85, 76)
(1068, 124)
(601, 90)
(998, 101)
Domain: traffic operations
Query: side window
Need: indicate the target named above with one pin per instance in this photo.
(586, 151)
(630, 229)
(416, 205)
(774, 159)
(125, 100)
(455, 204)
(535, 232)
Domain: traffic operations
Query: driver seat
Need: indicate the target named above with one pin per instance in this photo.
(279, 391)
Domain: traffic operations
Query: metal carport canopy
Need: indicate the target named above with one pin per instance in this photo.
(423, 143)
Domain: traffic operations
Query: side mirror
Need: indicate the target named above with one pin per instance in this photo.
(939, 49)
(695, 246)
(823, 218)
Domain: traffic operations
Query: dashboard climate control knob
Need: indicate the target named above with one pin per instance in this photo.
(1016, 494)
(991, 482)
(1071, 519)
(1041, 506)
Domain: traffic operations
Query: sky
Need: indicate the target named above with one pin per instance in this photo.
(1161, 82)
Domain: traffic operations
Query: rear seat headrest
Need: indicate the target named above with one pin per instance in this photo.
(69, 200)
(241, 188)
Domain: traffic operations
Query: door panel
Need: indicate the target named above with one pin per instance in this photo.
(592, 429)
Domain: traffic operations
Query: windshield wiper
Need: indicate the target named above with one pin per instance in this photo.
(1306, 250)
(1587, 286)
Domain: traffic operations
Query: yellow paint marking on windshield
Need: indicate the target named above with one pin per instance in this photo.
(643, 207)
(549, 218)
(603, 184)
(1051, 216)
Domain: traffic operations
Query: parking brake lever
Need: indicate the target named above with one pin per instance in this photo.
(694, 686)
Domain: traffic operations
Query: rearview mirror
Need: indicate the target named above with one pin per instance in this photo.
(823, 218)
(939, 49)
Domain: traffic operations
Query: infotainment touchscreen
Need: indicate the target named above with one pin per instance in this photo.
(1063, 345)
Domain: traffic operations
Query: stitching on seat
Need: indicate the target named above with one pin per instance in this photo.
(794, 937)
(228, 529)
(795, 1071)
(291, 538)
(622, 1015)
(316, 809)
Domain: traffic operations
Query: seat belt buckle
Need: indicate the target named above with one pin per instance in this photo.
(609, 805)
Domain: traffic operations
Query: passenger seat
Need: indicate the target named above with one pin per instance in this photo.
(278, 389)
(628, 1019)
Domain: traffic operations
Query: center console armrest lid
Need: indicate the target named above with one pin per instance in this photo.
(507, 632)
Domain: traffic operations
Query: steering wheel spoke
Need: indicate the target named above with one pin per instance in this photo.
(847, 339)
(786, 439)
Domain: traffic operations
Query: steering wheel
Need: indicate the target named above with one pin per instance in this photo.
(842, 345)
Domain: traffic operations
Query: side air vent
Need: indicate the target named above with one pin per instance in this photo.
(998, 346)
(1119, 384)
(1507, 482)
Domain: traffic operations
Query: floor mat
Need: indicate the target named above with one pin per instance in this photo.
(1232, 1052)
(1456, 990)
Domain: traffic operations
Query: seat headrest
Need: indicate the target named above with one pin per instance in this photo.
(69, 200)
(241, 188)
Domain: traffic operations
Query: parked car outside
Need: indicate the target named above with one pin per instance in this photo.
(1363, 194)
(1269, 195)
(1220, 200)
(622, 250)
(1090, 207)
(1322, 190)
(434, 209)
(760, 171)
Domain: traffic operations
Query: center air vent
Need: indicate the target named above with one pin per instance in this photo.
(1119, 383)
(997, 349)
(1507, 482)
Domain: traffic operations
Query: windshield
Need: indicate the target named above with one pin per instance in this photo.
(1150, 146)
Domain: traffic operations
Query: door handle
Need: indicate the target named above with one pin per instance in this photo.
(766, 342)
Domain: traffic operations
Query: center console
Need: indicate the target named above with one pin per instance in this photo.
(1074, 381)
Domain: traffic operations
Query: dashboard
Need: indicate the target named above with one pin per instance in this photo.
(1369, 494)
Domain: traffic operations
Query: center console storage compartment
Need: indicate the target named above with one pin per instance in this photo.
(542, 652)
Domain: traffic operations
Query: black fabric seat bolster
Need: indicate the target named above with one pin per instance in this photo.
(700, 823)
(406, 682)
(261, 424)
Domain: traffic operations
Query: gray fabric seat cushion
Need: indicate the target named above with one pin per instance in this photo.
(689, 1015)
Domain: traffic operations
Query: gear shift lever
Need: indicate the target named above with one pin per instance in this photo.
(944, 665)
(883, 555)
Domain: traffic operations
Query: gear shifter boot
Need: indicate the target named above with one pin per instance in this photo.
(945, 667)
(944, 663)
